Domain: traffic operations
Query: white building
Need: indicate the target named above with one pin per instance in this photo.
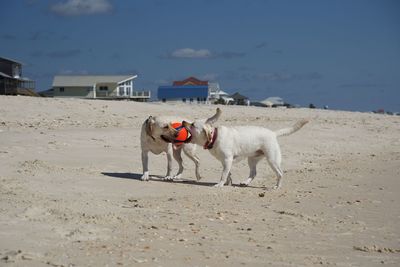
(98, 86)
(216, 93)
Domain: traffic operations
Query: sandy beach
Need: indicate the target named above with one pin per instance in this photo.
(71, 194)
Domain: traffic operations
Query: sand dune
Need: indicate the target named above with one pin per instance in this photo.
(71, 194)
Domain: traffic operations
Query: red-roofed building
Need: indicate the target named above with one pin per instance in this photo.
(192, 89)
(190, 81)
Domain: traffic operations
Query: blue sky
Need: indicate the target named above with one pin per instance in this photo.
(344, 54)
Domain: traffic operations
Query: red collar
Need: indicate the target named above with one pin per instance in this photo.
(209, 145)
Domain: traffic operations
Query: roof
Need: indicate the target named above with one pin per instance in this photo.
(2, 74)
(221, 93)
(227, 98)
(190, 81)
(238, 96)
(24, 79)
(10, 60)
(89, 80)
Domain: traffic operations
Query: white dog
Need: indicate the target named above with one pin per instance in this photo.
(156, 135)
(229, 143)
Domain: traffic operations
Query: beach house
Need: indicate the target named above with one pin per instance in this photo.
(11, 80)
(239, 99)
(188, 90)
(217, 95)
(98, 86)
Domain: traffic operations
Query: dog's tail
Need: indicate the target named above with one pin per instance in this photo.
(290, 130)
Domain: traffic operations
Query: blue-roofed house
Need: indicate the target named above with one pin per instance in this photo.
(188, 90)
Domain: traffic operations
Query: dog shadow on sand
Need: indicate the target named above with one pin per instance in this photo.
(159, 178)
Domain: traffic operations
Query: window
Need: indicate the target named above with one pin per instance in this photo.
(103, 88)
(16, 71)
(121, 90)
(61, 89)
(128, 82)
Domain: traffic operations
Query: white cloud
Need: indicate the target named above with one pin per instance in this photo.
(81, 7)
(201, 53)
(191, 53)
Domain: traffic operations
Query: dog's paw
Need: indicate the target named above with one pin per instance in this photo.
(276, 187)
(220, 184)
(246, 182)
(178, 176)
(145, 176)
(168, 178)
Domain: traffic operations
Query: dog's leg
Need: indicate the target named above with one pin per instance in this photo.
(178, 158)
(229, 180)
(278, 171)
(253, 170)
(189, 150)
(168, 176)
(274, 159)
(145, 165)
(227, 164)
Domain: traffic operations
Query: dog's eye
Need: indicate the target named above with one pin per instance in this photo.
(166, 127)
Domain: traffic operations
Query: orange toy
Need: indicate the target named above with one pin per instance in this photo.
(183, 134)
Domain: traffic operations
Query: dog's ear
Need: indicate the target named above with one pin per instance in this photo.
(150, 126)
(186, 124)
(214, 118)
(172, 129)
(207, 130)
